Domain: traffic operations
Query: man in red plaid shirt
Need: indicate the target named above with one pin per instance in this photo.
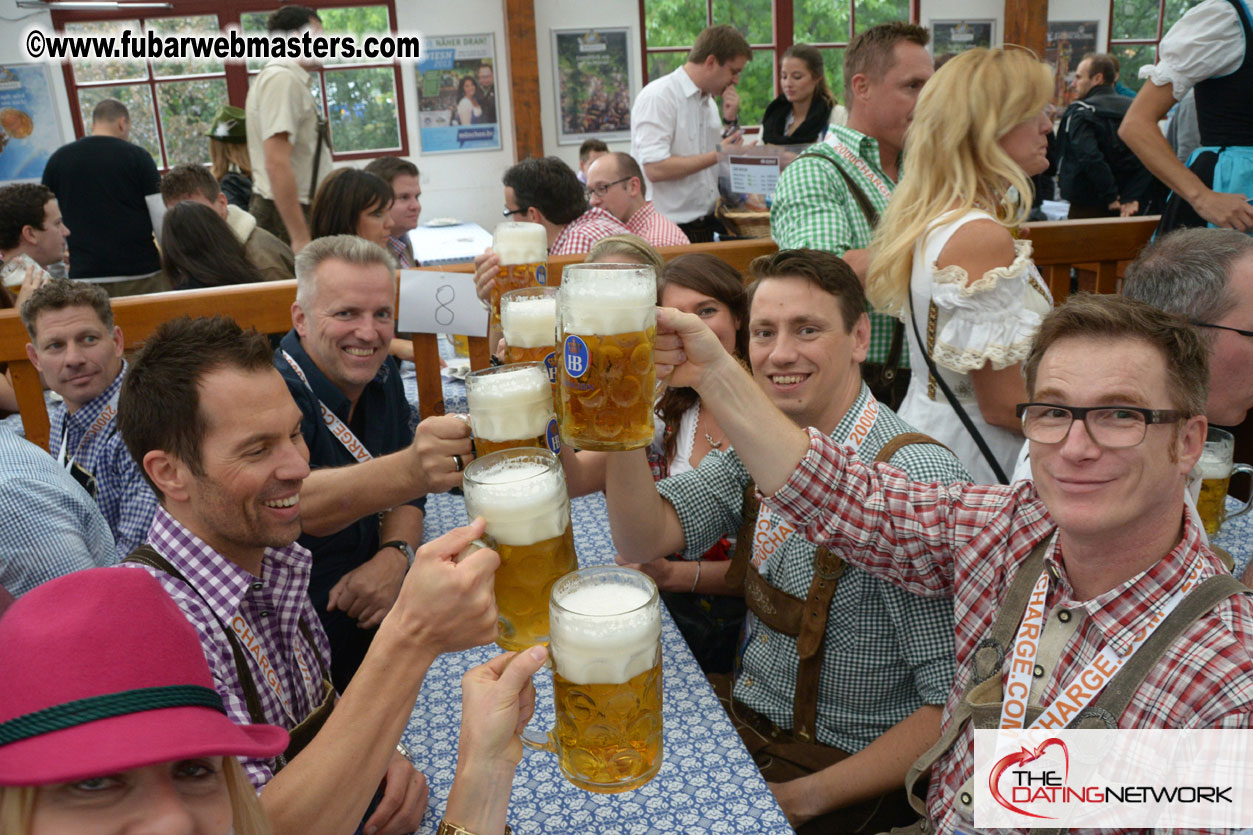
(1116, 422)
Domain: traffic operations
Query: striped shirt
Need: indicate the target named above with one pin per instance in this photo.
(585, 230)
(813, 209)
(654, 227)
(271, 606)
(965, 541)
(402, 251)
(887, 652)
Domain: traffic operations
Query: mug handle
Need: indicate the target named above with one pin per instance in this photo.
(1248, 505)
(539, 741)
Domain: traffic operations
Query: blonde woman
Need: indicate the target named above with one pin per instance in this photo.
(946, 255)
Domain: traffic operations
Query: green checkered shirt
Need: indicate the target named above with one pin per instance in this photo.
(813, 209)
(887, 652)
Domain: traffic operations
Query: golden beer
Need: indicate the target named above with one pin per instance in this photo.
(607, 326)
(511, 406)
(523, 252)
(1212, 503)
(606, 652)
(1215, 469)
(528, 321)
(521, 493)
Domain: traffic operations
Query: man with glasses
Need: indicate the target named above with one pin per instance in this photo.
(1099, 542)
(615, 183)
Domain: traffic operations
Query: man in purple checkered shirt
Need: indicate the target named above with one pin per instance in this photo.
(218, 436)
(1117, 421)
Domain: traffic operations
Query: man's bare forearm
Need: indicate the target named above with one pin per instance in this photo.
(677, 167)
(644, 525)
(332, 498)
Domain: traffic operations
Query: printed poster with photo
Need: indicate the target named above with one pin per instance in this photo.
(950, 37)
(592, 68)
(457, 83)
(1068, 42)
(30, 129)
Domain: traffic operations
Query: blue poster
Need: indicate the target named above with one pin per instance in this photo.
(29, 127)
(457, 94)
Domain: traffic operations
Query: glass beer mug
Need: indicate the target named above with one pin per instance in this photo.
(523, 252)
(521, 493)
(511, 406)
(528, 321)
(605, 627)
(1215, 470)
(606, 326)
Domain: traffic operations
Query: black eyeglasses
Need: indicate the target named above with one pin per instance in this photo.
(508, 212)
(601, 191)
(1114, 427)
(1222, 328)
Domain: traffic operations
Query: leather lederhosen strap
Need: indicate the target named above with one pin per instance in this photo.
(804, 619)
(306, 729)
(982, 700)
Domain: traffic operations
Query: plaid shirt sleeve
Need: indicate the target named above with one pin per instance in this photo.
(709, 500)
(809, 208)
(132, 500)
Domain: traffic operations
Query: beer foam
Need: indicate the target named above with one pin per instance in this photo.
(1212, 465)
(520, 513)
(608, 302)
(613, 647)
(529, 322)
(510, 405)
(520, 243)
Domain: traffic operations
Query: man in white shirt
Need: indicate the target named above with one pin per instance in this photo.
(676, 127)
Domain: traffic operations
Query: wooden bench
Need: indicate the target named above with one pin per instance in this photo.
(267, 308)
(1100, 248)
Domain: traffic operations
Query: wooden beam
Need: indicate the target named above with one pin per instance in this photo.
(520, 52)
(1026, 24)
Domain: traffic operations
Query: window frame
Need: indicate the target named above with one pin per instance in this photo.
(782, 24)
(228, 13)
(1111, 43)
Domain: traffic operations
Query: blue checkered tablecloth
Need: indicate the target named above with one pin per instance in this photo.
(1236, 537)
(707, 782)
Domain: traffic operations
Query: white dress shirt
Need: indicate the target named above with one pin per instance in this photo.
(1207, 42)
(672, 117)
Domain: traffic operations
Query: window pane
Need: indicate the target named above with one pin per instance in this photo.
(820, 21)
(1130, 59)
(1135, 19)
(88, 71)
(1175, 10)
(833, 61)
(253, 23)
(673, 22)
(663, 63)
(754, 18)
(356, 20)
(138, 100)
(182, 26)
(362, 109)
(187, 109)
(756, 87)
(873, 12)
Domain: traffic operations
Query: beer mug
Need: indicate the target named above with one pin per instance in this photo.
(521, 493)
(605, 624)
(1215, 470)
(528, 320)
(523, 252)
(606, 326)
(511, 406)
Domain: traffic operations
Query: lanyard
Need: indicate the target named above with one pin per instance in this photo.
(860, 164)
(97, 426)
(1090, 681)
(252, 645)
(338, 428)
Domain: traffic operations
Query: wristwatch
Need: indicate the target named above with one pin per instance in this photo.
(401, 546)
(446, 828)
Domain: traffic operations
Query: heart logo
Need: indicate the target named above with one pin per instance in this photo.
(1020, 758)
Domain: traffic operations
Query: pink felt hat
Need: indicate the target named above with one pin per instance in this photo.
(103, 673)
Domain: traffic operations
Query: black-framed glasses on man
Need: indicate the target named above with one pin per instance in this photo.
(601, 191)
(508, 212)
(1222, 328)
(1114, 427)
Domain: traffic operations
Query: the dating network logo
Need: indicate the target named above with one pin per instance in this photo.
(1022, 790)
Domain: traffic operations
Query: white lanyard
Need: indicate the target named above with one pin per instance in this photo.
(338, 428)
(1090, 681)
(252, 645)
(860, 164)
(97, 426)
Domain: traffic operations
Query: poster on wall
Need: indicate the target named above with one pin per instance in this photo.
(592, 68)
(457, 94)
(30, 129)
(949, 37)
(1068, 42)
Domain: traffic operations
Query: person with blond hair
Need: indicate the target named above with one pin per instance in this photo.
(945, 256)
